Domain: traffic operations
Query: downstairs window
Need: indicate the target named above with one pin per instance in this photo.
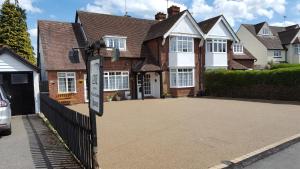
(183, 77)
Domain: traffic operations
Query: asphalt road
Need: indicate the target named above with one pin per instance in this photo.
(32, 145)
(286, 159)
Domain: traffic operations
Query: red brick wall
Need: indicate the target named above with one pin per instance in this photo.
(53, 85)
(156, 48)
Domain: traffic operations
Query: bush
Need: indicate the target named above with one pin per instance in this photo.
(284, 65)
(281, 83)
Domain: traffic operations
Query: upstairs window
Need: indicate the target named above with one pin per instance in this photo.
(297, 49)
(216, 46)
(277, 53)
(181, 44)
(265, 31)
(115, 42)
(238, 48)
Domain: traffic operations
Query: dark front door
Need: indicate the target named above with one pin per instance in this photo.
(19, 85)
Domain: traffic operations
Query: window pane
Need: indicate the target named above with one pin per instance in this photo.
(224, 47)
(173, 79)
(71, 84)
(112, 81)
(106, 82)
(125, 82)
(215, 47)
(62, 85)
(179, 43)
(116, 43)
(190, 46)
(184, 46)
(220, 47)
(122, 42)
(118, 81)
(111, 43)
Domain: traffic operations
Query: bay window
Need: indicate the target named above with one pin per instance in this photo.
(116, 80)
(181, 44)
(237, 48)
(66, 82)
(182, 77)
(297, 49)
(216, 46)
(115, 42)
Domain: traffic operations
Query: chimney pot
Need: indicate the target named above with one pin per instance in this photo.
(173, 10)
(160, 16)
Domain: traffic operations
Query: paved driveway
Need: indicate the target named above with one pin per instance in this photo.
(33, 145)
(188, 132)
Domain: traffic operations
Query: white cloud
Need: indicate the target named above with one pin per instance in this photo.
(141, 8)
(33, 32)
(28, 5)
(237, 10)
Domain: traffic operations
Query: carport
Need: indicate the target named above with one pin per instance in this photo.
(20, 79)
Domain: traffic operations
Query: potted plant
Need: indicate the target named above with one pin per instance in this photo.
(109, 98)
(118, 96)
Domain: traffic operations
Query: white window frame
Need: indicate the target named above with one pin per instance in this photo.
(277, 54)
(177, 85)
(215, 45)
(117, 38)
(265, 31)
(297, 49)
(66, 82)
(123, 74)
(238, 48)
(189, 41)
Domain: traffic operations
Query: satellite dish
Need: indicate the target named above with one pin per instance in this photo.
(74, 56)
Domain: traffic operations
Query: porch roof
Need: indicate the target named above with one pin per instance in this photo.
(147, 65)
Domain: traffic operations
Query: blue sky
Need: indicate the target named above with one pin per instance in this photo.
(236, 11)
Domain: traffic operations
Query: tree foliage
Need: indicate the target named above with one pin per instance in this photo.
(13, 30)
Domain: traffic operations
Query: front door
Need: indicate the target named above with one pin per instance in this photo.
(147, 85)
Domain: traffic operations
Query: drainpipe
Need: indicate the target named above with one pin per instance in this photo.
(202, 70)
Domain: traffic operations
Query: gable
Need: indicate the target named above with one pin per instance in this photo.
(265, 26)
(296, 37)
(185, 26)
(10, 64)
(219, 30)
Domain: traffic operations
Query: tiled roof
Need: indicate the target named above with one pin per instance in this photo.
(286, 37)
(57, 39)
(162, 27)
(206, 25)
(270, 42)
(246, 55)
(237, 66)
(6, 49)
(97, 25)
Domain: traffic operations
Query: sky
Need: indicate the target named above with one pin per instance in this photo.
(236, 11)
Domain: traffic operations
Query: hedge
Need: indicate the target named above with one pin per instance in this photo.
(281, 83)
(284, 65)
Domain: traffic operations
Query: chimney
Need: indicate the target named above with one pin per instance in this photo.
(160, 16)
(173, 10)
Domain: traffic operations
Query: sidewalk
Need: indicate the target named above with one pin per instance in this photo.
(286, 159)
(33, 145)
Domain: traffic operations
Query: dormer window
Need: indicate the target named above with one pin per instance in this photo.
(265, 31)
(238, 48)
(117, 42)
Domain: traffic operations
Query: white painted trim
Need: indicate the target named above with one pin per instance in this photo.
(222, 18)
(295, 37)
(179, 20)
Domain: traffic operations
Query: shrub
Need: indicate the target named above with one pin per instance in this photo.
(255, 83)
(284, 65)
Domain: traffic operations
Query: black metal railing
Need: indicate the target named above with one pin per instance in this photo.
(74, 128)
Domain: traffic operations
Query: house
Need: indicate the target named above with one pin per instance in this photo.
(20, 80)
(269, 43)
(157, 57)
(223, 48)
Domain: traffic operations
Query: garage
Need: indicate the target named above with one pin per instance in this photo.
(20, 80)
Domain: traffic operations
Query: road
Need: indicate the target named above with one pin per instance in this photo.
(32, 145)
(286, 159)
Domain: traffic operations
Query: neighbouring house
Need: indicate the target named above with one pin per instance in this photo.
(158, 57)
(223, 48)
(270, 43)
(20, 80)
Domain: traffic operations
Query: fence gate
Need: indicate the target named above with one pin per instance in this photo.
(74, 128)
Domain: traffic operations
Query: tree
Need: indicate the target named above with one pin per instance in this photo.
(13, 30)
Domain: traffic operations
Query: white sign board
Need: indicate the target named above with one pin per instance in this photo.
(95, 97)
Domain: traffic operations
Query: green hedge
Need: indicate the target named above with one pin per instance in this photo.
(283, 83)
(284, 65)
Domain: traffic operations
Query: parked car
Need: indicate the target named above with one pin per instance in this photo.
(5, 113)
